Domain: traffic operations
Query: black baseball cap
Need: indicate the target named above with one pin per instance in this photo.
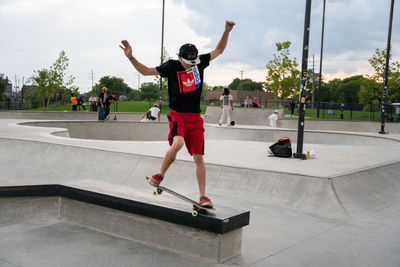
(189, 54)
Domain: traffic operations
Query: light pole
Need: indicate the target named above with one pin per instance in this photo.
(303, 82)
(385, 78)
(162, 49)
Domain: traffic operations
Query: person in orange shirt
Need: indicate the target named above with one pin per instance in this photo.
(74, 102)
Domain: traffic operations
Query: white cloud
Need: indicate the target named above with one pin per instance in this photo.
(35, 31)
(273, 35)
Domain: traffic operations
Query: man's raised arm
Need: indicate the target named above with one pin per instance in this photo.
(224, 40)
(143, 69)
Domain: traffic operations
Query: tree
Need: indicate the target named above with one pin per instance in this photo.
(205, 90)
(114, 84)
(149, 90)
(350, 89)
(246, 84)
(372, 87)
(282, 73)
(342, 91)
(49, 81)
(3, 83)
(218, 88)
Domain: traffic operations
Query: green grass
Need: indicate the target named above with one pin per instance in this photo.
(347, 115)
(123, 106)
(143, 106)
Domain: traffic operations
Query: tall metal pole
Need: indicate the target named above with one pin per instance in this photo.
(385, 78)
(162, 50)
(320, 58)
(313, 82)
(303, 82)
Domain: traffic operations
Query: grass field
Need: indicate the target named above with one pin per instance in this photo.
(123, 106)
(336, 115)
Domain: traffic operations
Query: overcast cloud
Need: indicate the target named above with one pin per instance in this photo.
(33, 32)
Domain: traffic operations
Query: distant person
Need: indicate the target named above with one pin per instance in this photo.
(256, 103)
(112, 99)
(152, 114)
(74, 102)
(226, 103)
(102, 103)
(292, 105)
(92, 103)
(81, 104)
(247, 102)
(272, 120)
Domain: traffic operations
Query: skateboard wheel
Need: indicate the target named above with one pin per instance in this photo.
(155, 193)
(195, 213)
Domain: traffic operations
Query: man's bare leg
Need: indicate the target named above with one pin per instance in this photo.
(170, 156)
(200, 173)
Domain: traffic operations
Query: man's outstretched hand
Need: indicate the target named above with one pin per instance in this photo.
(229, 25)
(127, 48)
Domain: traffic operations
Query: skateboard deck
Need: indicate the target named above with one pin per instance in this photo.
(196, 206)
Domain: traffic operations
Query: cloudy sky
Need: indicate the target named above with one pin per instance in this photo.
(33, 32)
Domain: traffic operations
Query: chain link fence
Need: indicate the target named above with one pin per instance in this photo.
(327, 111)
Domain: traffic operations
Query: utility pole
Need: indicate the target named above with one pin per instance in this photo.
(241, 83)
(16, 86)
(320, 59)
(91, 75)
(20, 92)
(303, 82)
(138, 77)
(385, 78)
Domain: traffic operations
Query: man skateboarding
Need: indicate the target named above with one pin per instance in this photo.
(185, 84)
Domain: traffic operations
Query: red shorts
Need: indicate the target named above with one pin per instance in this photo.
(191, 127)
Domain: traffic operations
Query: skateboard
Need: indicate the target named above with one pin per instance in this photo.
(197, 208)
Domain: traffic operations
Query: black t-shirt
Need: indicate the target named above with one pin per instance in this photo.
(108, 100)
(101, 96)
(184, 86)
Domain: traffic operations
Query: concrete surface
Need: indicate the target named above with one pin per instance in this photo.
(69, 115)
(339, 209)
(139, 131)
(176, 238)
(242, 116)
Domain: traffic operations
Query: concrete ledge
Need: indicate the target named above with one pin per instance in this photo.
(213, 236)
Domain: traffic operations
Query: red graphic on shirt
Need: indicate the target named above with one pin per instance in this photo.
(186, 81)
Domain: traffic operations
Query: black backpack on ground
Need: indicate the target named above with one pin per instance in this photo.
(282, 148)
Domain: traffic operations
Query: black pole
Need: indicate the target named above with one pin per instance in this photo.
(320, 58)
(385, 78)
(303, 82)
(162, 49)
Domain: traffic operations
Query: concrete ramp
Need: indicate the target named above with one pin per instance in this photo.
(69, 115)
(139, 131)
(349, 194)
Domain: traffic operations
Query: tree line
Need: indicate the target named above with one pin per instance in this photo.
(282, 79)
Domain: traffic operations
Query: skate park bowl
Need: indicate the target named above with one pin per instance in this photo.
(140, 131)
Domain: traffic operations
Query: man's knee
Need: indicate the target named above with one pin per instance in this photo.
(178, 143)
(198, 159)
